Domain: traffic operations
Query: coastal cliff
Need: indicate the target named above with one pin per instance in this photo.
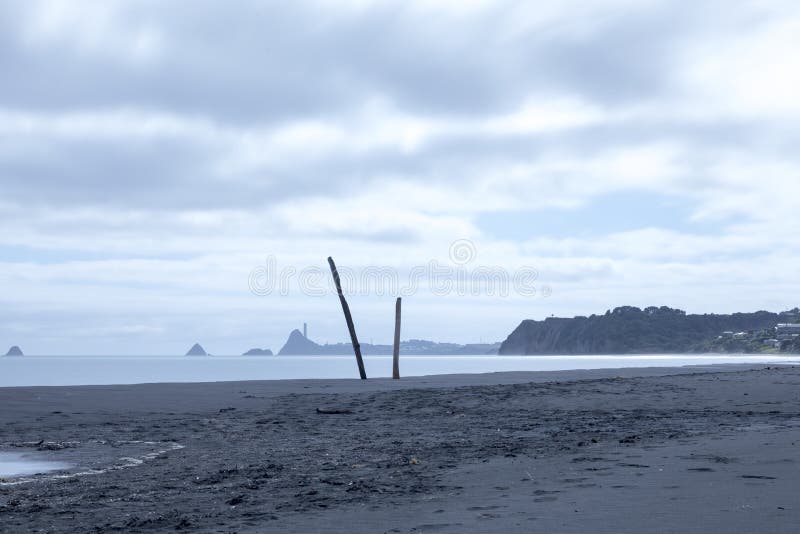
(630, 330)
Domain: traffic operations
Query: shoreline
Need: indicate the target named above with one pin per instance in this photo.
(631, 449)
(282, 386)
(101, 371)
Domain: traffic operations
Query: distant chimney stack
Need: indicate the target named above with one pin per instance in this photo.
(305, 330)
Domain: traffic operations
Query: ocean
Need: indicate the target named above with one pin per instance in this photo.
(103, 370)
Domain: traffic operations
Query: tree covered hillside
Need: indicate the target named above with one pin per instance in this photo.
(630, 330)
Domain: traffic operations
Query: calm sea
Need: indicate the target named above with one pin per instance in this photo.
(98, 370)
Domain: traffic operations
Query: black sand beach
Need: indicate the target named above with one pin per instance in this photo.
(632, 450)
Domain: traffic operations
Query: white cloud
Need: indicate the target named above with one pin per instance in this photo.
(90, 28)
(752, 67)
(151, 156)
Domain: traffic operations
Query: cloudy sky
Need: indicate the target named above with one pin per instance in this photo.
(154, 155)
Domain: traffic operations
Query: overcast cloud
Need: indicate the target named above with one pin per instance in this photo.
(153, 154)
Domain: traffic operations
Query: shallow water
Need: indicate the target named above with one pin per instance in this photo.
(99, 370)
(13, 464)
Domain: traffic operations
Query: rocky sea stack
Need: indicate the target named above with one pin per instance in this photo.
(14, 351)
(197, 350)
(298, 344)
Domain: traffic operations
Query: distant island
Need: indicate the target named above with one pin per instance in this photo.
(258, 352)
(300, 345)
(14, 351)
(630, 330)
(197, 350)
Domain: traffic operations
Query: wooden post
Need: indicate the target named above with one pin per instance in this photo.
(396, 355)
(349, 319)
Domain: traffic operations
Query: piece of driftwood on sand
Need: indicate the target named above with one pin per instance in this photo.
(396, 352)
(350, 326)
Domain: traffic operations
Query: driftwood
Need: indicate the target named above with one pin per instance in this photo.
(349, 319)
(333, 412)
(396, 353)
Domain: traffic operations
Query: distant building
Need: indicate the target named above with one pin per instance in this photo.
(787, 330)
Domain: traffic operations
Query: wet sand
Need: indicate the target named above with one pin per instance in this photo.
(713, 449)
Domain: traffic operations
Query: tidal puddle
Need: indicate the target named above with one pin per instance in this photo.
(69, 459)
(15, 464)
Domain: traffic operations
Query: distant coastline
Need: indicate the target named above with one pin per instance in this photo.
(625, 330)
(299, 344)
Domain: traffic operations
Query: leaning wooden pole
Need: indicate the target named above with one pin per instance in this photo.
(396, 354)
(349, 319)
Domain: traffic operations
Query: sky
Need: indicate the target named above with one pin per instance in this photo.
(179, 172)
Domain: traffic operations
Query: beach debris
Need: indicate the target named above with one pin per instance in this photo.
(43, 445)
(350, 326)
(239, 499)
(329, 411)
(183, 524)
(396, 352)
